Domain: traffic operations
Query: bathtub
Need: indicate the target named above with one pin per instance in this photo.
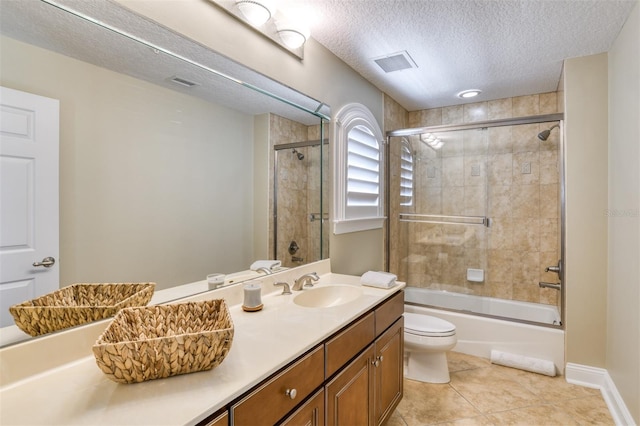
(478, 335)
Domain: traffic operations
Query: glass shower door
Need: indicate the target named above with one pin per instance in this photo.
(477, 212)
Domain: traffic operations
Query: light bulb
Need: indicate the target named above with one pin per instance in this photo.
(256, 13)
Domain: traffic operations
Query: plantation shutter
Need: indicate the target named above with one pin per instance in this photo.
(363, 174)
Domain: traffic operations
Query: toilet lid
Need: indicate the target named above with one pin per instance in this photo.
(425, 325)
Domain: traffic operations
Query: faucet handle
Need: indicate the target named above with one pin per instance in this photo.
(285, 287)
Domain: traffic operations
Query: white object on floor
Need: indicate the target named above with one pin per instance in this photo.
(521, 362)
(378, 279)
(269, 264)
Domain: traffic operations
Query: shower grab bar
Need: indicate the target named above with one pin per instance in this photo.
(441, 219)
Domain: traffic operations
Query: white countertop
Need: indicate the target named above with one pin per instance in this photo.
(79, 393)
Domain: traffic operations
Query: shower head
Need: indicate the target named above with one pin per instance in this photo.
(298, 154)
(544, 135)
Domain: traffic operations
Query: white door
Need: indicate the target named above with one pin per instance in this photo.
(29, 127)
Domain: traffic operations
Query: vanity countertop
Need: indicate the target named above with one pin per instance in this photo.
(78, 392)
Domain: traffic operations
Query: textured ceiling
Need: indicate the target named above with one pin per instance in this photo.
(43, 25)
(503, 47)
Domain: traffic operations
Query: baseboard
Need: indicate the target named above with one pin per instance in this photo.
(598, 378)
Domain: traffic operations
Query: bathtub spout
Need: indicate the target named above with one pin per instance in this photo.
(549, 285)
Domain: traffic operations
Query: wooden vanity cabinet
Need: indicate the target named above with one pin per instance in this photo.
(354, 378)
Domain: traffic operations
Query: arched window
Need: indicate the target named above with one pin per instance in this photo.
(358, 169)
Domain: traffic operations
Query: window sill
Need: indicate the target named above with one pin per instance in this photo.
(355, 225)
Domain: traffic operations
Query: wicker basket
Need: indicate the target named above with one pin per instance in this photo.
(160, 341)
(78, 304)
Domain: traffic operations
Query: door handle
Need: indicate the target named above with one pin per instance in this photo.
(47, 262)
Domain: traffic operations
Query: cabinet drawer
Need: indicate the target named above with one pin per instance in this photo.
(348, 343)
(389, 312)
(221, 420)
(271, 401)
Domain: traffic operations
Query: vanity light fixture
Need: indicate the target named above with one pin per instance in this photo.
(292, 38)
(469, 93)
(256, 13)
(286, 28)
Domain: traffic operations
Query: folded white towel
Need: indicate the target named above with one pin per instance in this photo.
(269, 264)
(378, 279)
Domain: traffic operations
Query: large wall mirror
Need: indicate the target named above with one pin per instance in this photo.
(175, 161)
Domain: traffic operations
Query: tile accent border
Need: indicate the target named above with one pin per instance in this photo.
(598, 378)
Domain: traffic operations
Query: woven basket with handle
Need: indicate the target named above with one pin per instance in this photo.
(160, 341)
(78, 304)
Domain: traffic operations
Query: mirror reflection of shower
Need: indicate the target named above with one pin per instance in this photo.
(298, 154)
(300, 170)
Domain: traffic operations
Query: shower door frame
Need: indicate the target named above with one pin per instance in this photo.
(304, 144)
(534, 119)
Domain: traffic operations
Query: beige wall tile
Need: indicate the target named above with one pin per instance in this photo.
(549, 167)
(501, 234)
(525, 138)
(524, 106)
(453, 171)
(500, 108)
(478, 111)
(548, 103)
(500, 140)
(453, 115)
(526, 236)
(500, 170)
(525, 201)
(499, 201)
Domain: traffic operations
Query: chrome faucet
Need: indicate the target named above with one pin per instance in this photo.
(264, 269)
(304, 280)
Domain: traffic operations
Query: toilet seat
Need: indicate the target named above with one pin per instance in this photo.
(428, 326)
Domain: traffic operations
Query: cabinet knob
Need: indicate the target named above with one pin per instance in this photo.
(377, 361)
(291, 393)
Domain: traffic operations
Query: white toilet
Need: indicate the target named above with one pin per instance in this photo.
(426, 342)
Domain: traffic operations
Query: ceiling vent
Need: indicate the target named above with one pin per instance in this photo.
(396, 62)
(182, 81)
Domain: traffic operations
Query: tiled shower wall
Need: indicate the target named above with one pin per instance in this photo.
(516, 184)
(298, 191)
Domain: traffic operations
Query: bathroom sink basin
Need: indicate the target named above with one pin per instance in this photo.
(325, 297)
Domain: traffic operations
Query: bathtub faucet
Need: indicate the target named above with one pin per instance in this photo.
(549, 285)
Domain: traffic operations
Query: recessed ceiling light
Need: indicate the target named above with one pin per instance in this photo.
(469, 93)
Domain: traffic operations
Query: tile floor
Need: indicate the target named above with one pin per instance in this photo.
(481, 393)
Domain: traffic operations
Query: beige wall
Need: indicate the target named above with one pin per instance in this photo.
(623, 317)
(585, 85)
(140, 173)
(320, 75)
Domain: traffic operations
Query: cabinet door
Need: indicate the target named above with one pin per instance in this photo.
(388, 371)
(311, 413)
(350, 393)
